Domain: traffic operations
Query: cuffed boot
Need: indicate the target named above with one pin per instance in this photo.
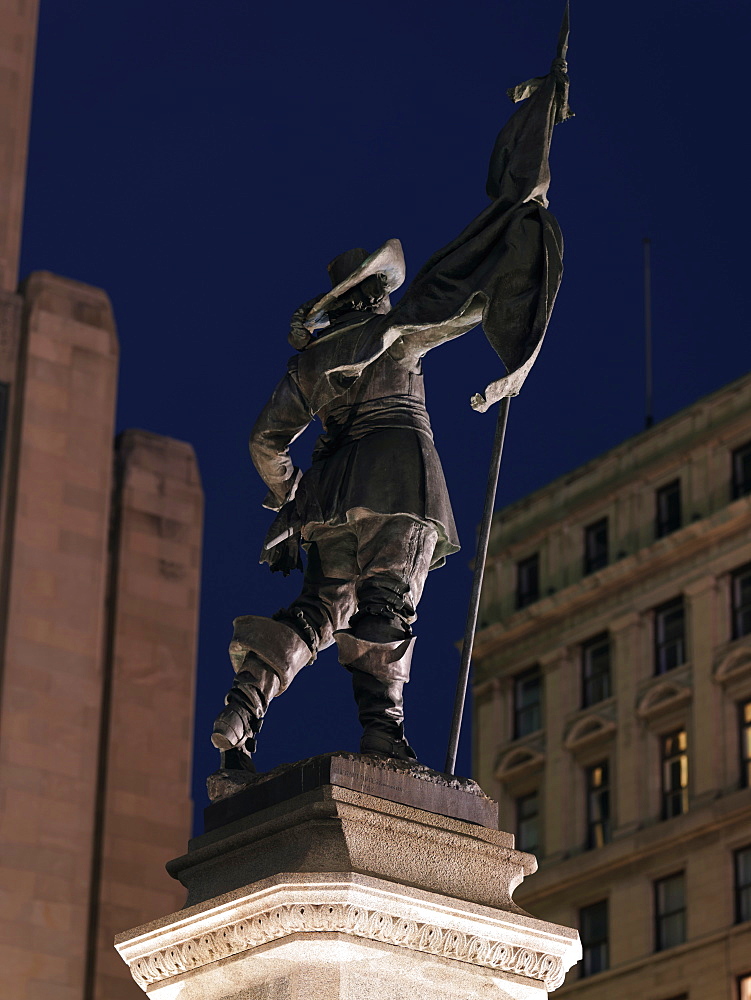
(247, 702)
(381, 712)
(379, 672)
(266, 655)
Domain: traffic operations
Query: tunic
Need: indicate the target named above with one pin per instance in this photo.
(376, 452)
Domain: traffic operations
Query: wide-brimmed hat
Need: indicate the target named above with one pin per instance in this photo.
(354, 266)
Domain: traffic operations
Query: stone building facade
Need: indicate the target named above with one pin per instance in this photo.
(612, 702)
(99, 582)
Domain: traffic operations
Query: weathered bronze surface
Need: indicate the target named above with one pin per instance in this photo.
(372, 512)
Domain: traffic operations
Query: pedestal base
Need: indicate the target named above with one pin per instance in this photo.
(336, 893)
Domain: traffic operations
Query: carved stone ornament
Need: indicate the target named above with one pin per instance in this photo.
(733, 663)
(587, 731)
(518, 762)
(661, 698)
(361, 908)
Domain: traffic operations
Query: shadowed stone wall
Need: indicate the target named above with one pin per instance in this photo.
(18, 22)
(148, 729)
(57, 484)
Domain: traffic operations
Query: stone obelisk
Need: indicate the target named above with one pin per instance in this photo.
(348, 877)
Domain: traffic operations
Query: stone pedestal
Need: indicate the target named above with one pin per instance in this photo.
(345, 877)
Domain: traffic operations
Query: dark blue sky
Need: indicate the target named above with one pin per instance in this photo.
(203, 161)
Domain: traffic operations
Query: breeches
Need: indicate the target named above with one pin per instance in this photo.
(372, 567)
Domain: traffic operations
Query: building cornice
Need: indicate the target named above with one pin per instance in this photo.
(662, 555)
(605, 864)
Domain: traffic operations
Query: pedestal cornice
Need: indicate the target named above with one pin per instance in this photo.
(297, 909)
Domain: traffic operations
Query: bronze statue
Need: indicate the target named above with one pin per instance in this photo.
(372, 512)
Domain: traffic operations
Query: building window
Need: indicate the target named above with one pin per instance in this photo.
(743, 885)
(598, 804)
(593, 928)
(744, 988)
(596, 546)
(674, 774)
(742, 471)
(528, 581)
(528, 823)
(670, 911)
(527, 702)
(669, 628)
(745, 732)
(740, 584)
(596, 670)
(668, 509)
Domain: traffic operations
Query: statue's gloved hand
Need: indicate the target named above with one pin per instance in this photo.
(284, 557)
(281, 546)
(299, 336)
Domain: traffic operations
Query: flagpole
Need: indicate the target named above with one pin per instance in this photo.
(649, 415)
(477, 578)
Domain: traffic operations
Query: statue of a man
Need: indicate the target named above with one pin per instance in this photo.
(372, 512)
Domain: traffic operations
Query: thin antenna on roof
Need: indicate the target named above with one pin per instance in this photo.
(648, 414)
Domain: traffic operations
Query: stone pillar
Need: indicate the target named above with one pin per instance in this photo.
(705, 750)
(18, 28)
(627, 662)
(148, 710)
(560, 702)
(58, 485)
(347, 877)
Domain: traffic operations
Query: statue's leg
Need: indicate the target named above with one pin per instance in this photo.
(267, 653)
(394, 555)
(328, 594)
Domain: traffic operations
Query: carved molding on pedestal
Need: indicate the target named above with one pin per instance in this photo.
(374, 925)
(222, 935)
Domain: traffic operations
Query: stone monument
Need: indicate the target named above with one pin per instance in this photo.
(367, 874)
(346, 876)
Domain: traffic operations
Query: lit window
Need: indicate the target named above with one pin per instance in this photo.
(527, 702)
(743, 885)
(745, 733)
(528, 823)
(741, 471)
(598, 804)
(593, 928)
(740, 590)
(674, 774)
(669, 629)
(744, 988)
(527, 581)
(596, 670)
(668, 512)
(670, 912)
(596, 546)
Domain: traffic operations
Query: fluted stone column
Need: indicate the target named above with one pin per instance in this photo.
(343, 877)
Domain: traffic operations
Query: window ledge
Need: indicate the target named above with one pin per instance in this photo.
(705, 941)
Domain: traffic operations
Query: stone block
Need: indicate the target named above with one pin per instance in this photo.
(316, 888)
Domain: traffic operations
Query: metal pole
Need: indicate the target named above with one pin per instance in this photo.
(648, 416)
(474, 600)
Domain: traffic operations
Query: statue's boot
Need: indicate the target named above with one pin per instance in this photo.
(380, 709)
(379, 672)
(266, 655)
